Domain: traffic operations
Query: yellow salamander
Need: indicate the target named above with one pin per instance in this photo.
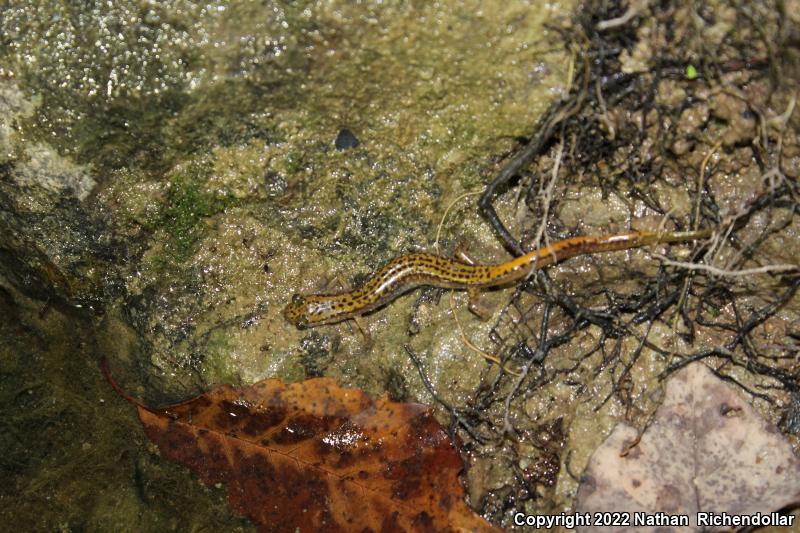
(407, 272)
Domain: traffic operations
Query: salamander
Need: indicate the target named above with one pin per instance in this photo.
(410, 271)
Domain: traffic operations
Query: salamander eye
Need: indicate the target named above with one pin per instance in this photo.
(297, 299)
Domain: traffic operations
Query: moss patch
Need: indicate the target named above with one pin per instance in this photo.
(181, 216)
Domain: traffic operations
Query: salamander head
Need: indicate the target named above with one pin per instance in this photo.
(309, 311)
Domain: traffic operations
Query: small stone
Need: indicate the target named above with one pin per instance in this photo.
(346, 139)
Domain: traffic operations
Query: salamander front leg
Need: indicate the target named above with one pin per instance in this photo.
(475, 305)
(362, 327)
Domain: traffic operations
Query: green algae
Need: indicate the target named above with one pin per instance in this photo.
(219, 364)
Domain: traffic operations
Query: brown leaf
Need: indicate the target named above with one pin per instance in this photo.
(707, 450)
(312, 456)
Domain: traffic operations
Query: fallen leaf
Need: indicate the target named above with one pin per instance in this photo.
(312, 456)
(706, 450)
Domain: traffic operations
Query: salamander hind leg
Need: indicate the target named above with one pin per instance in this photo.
(475, 306)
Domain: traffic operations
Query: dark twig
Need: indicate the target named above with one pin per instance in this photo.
(454, 413)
